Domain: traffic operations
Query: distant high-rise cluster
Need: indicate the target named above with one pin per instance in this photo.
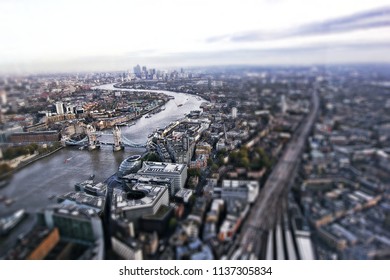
(143, 73)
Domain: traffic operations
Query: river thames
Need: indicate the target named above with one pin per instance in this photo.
(31, 187)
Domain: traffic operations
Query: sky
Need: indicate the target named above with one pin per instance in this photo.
(101, 35)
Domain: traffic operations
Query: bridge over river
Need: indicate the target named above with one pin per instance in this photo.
(31, 187)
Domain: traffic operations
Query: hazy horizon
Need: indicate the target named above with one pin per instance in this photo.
(72, 36)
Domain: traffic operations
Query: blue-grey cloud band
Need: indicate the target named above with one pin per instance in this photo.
(370, 19)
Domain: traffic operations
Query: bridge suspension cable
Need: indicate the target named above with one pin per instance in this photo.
(130, 143)
(77, 143)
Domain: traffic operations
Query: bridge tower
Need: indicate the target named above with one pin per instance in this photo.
(93, 143)
(63, 140)
(118, 145)
(283, 104)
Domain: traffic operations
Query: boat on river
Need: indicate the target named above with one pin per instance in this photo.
(9, 222)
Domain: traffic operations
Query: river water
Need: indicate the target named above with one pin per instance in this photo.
(32, 186)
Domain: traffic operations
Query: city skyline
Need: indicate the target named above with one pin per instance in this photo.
(94, 36)
(275, 163)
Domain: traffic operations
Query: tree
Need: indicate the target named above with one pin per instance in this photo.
(222, 152)
(172, 223)
(192, 199)
(264, 159)
(240, 158)
(152, 157)
(214, 167)
(14, 152)
(4, 168)
(193, 172)
(244, 162)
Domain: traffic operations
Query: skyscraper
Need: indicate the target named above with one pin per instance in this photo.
(3, 97)
(60, 108)
(234, 112)
(137, 70)
(283, 104)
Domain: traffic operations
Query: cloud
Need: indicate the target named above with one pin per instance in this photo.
(360, 21)
(315, 53)
(333, 53)
(312, 48)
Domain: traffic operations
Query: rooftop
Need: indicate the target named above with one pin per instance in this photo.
(184, 193)
(72, 210)
(162, 167)
(145, 178)
(140, 196)
(90, 186)
(27, 243)
(161, 212)
(83, 199)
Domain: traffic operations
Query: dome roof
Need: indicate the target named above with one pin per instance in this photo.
(130, 165)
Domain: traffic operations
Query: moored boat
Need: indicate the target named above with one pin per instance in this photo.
(11, 221)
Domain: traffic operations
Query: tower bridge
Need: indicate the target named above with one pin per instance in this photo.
(91, 140)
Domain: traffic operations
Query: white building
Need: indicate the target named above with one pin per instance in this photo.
(239, 191)
(60, 108)
(283, 103)
(142, 200)
(221, 144)
(126, 252)
(175, 171)
(234, 112)
(148, 179)
(3, 97)
(184, 195)
(70, 109)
